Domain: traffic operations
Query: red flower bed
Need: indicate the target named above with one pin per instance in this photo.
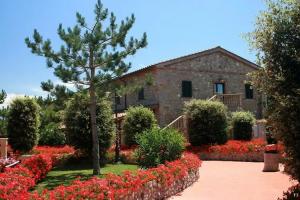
(54, 150)
(39, 165)
(56, 153)
(155, 183)
(127, 154)
(232, 146)
(15, 182)
(233, 150)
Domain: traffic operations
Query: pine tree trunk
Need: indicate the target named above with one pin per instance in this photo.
(96, 153)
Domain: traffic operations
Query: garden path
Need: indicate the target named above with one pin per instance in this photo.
(228, 180)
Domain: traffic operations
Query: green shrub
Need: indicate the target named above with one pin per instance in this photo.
(242, 123)
(138, 119)
(52, 135)
(157, 146)
(207, 122)
(78, 124)
(23, 123)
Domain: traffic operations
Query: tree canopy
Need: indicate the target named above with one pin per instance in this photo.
(277, 40)
(90, 57)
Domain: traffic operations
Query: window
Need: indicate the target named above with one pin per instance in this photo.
(118, 100)
(186, 87)
(141, 94)
(219, 88)
(248, 91)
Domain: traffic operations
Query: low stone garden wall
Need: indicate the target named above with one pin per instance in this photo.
(155, 190)
(154, 183)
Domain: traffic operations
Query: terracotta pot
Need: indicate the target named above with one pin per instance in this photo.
(271, 162)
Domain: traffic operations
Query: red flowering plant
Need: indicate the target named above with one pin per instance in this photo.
(127, 154)
(232, 146)
(163, 180)
(56, 153)
(233, 150)
(39, 165)
(15, 182)
(271, 148)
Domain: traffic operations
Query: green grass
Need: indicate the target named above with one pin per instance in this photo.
(64, 175)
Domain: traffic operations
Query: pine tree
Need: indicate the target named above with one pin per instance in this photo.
(2, 96)
(90, 57)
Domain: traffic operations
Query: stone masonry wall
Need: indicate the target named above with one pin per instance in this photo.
(203, 71)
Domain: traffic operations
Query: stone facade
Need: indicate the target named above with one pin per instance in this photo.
(203, 70)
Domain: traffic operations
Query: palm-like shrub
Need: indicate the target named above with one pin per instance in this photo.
(156, 146)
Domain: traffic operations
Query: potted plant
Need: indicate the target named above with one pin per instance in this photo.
(271, 158)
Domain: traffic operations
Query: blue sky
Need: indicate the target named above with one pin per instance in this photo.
(174, 28)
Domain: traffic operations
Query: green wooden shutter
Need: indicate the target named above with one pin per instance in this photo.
(186, 89)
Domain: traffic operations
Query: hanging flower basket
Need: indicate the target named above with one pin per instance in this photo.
(271, 158)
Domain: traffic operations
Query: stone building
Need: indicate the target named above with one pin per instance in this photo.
(211, 74)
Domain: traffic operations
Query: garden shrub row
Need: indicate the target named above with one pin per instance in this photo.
(155, 183)
(209, 123)
(15, 182)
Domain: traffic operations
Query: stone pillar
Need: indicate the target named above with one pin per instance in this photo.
(3, 148)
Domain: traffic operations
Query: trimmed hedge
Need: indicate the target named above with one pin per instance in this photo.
(242, 123)
(157, 146)
(207, 122)
(78, 124)
(137, 120)
(23, 123)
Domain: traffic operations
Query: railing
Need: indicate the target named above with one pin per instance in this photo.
(213, 98)
(232, 101)
(180, 124)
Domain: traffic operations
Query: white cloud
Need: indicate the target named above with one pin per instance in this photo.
(10, 97)
(37, 91)
(70, 86)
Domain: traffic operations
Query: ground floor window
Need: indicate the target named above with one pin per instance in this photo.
(248, 91)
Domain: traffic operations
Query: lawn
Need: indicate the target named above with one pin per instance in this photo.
(64, 175)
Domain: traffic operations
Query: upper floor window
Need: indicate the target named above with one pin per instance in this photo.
(248, 91)
(141, 95)
(186, 87)
(219, 88)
